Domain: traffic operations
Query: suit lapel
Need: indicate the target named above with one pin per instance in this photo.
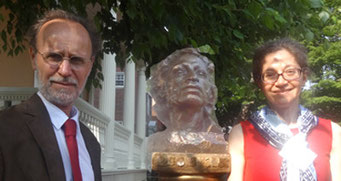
(94, 150)
(39, 123)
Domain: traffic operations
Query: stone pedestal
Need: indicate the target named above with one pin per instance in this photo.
(190, 166)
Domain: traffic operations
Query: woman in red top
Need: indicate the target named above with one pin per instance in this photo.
(284, 141)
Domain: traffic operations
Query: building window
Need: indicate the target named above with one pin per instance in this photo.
(119, 79)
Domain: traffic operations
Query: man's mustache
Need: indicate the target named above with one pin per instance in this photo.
(66, 80)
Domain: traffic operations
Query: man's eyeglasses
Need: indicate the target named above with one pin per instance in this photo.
(55, 59)
(288, 74)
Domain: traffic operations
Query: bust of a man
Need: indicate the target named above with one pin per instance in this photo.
(183, 88)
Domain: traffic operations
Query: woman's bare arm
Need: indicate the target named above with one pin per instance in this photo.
(236, 150)
(335, 154)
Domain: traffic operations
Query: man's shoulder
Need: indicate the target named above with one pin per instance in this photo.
(10, 112)
(11, 123)
(18, 112)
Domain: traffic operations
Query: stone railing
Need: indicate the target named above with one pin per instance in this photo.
(118, 141)
(121, 137)
(138, 155)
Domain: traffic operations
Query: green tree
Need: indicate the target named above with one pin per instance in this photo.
(324, 97)
(227, 31)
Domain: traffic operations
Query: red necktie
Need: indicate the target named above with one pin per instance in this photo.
(70, 137)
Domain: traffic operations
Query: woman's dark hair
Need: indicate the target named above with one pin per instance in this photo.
(292, 46)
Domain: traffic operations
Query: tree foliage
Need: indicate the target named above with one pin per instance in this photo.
(226, 30)
(324, 97)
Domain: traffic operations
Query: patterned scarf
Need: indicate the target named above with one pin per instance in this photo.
(298, 159)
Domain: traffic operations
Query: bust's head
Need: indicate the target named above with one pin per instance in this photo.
(184, 80)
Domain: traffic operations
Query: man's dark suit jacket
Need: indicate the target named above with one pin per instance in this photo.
(28, 146)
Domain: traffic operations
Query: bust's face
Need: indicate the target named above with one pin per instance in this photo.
(188, 82)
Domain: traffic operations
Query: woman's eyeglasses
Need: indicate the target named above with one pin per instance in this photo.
(288, 74)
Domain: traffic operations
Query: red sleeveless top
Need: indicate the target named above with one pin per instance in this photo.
(262, 161)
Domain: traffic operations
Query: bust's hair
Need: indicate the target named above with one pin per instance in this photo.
(160, 74)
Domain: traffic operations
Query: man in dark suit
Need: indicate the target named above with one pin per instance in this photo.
(42, 138)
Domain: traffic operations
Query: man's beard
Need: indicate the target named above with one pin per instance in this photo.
(61, 97)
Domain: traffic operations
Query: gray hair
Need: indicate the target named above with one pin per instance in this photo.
(61, 14)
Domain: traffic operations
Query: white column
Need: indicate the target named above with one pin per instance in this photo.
(141, 111)
(107, 106)
(107, 95)
(129, 108)
(141, 103)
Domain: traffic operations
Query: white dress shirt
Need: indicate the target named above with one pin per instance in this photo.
(58, 118)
